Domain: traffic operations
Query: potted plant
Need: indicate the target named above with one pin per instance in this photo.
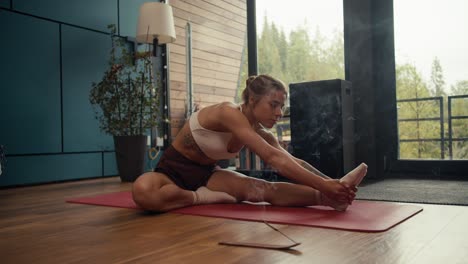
(126, 104)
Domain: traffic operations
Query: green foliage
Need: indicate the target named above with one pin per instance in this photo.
(410, 85)
(460, 127)
(437, 78)
(126, 100)
(460, 150)
(301, 57)
(460, 88)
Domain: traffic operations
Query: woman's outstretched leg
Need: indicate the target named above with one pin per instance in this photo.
(276, 193)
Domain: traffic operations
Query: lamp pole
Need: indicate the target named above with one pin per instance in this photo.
(156, 27)
(166, 98)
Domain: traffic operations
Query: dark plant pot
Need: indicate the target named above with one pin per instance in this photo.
(130, 155)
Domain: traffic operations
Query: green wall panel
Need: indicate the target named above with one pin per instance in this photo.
(85, 13)
(30, 85)
(129, 18)
(85, 59)
(22, 170)
(45, 79)
(5, 3)
(110, 164)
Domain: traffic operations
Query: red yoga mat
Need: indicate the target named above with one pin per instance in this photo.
(364, 216)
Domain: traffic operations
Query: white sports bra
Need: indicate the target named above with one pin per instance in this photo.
(214, 144)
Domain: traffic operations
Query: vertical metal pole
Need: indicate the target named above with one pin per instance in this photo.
(166, 98)
(450, 127)
(155, 47)
(252, 37)
(166, 93)
(188, 49)
(442, 140)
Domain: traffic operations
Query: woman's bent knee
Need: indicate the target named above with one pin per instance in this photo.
(145, 192)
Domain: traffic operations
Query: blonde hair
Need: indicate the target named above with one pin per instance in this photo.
(260, 85)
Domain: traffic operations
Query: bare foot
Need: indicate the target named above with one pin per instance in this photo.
(204, 195)
(339, 206)
(354, 177)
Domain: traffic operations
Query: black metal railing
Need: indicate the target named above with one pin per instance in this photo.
(452, 117)
(439, 118)
(432, 111)
(446, 140)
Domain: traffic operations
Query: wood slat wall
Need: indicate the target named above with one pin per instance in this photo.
(218, 42)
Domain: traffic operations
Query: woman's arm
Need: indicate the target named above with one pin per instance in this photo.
(285, 163)
(311, 168)
(272, 140)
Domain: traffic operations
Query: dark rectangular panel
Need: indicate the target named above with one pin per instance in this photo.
(5, 3)
(322, 130)
(85, 13)
(22, 170)
(30, 84)
(85, 59)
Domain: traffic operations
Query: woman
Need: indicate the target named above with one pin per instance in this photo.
(187, 173)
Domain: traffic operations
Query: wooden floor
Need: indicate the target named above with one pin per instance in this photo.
(37, 226)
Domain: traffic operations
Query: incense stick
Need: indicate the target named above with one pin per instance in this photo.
(277, 230)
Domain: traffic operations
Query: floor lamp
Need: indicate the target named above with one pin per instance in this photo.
(156, 27)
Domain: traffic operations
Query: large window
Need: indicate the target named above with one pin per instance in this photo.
(432, 78)
(299, 41)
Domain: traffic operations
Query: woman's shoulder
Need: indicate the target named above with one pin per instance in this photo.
(223, 110)
(225, 107)
(228, 105)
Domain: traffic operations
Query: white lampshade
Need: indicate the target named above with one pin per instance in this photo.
(155, 21)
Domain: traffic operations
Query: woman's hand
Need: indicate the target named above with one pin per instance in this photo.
(338, 191)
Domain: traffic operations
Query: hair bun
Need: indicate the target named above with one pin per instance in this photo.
(250, 80)
(257, 88)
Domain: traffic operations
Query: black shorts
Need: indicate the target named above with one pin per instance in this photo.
(185, 173)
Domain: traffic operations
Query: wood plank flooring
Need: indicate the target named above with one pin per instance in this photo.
(38, 226)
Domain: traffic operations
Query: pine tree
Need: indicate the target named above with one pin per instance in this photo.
(437, 78)
(410, 85)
